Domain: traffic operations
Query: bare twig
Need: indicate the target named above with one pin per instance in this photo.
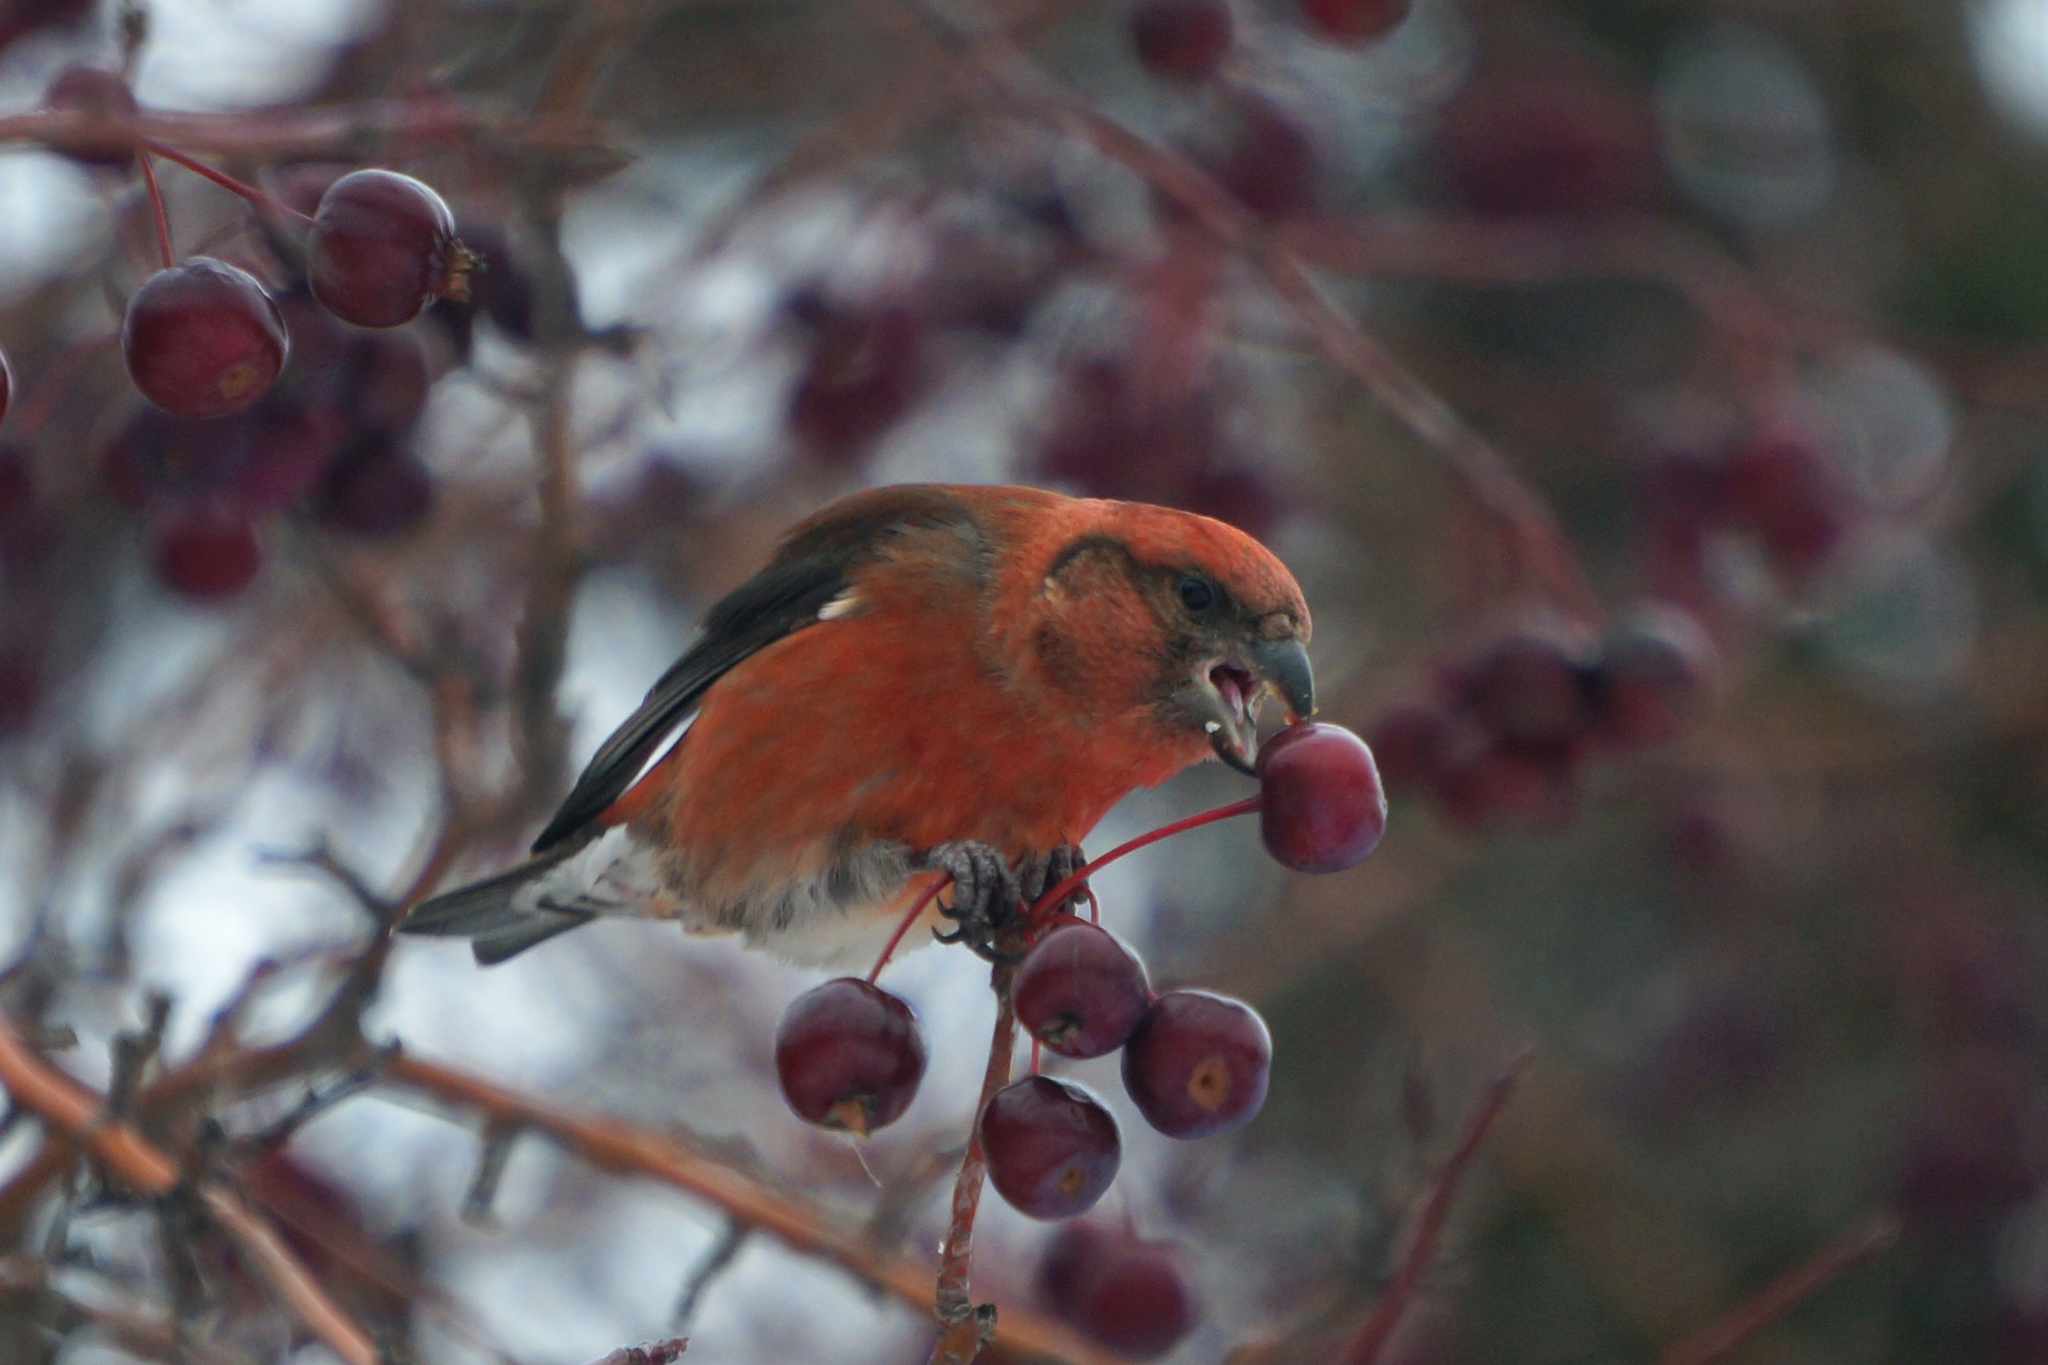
(1721, 1340)
(136, 1162)
(622, 1148)
(710, 1268)
(964, 1327)
(1371, 1339)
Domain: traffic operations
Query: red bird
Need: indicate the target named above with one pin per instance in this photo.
(924, 680)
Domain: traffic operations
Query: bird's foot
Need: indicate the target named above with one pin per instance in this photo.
(986, 902)
(1042, 872)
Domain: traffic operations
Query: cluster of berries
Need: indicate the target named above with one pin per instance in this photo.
(232, 434)
(1501, 741)
(849, 1055)
(1782, 489)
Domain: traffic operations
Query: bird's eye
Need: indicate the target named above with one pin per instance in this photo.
(1196, 593)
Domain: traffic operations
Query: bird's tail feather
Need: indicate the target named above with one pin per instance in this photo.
(497, 920)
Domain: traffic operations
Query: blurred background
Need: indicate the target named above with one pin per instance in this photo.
(1720, 783)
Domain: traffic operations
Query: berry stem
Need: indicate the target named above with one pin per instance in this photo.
(156, 204)
(903, 925)
(226, 181)
(1065, 889)
(963, 1328)
(1372, 1338)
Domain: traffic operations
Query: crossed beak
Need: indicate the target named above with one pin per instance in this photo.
(1230, 692)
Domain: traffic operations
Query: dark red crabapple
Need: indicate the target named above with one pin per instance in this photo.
(102, 94)
(1181, 39)
(1412, 746)
(1529, 688)
(6, 385)
(864, 375)
(376, 488)
(1079, 991)
(1788, 492)
(849, 1055)
(1198, 1063)
(285, 450)
(1517, 145)
(1052, 1148)
(207, 554)
(381, 248)
(203, 339)
(1355, 21)
(17, 480)
(1502, 787)
(1269, 160)
(1129, 1295)
(1655, 669)
(1321, 807)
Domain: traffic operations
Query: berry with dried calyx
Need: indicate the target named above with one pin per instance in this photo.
(1321, 806)
(1079, 991)
(203, 339)
(382, 247)
(849, 1056)
(1198, 1063)
(1181, 39)
(1131, 1296)
(1052, 1148)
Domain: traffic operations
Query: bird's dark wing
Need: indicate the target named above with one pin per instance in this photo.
(812, 566)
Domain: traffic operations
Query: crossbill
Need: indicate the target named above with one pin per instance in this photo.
(925, 681)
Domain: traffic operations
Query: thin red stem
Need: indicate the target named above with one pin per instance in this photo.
(227, 182)
(1372, 1338)
(1764, 1307)
(1094, 905)
(1059, 893)
(903, 925)
(156, 204)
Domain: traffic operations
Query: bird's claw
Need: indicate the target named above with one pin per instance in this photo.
(1044, 871)
(986, 900)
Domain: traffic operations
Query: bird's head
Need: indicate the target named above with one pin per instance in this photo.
(1175, 620)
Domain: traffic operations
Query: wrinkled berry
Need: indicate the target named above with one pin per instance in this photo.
(381, 248)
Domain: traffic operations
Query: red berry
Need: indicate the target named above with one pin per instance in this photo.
(1321, 807)
(849, 1056)
(381, 248)
(1411, 746)
(101, 94)
(207, 554)
(1052, 1148)
(1198, 1063)
(1355, 21)
(1181, 39)
(1080, 992)
(1129, 1295)
(17, 480)
(376, 488)
(1554, 143)
(203, 339)
(285, 449)
(1506, 787)
(6, 385)
(1529, 689)
(1268, 159)
(1654, 670)
(1788, 491)
(864, 375)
